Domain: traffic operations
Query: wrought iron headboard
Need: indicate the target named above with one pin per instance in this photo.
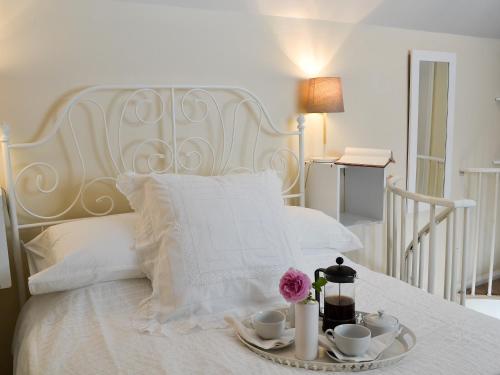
(165, 110)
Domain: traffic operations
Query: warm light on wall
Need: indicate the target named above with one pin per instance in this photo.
(310, 45)
(309, 65)
(311, 32)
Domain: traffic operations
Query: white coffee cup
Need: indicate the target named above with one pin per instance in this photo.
(269, 324)
(350, 339)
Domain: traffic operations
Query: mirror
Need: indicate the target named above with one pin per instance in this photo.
(432, 90)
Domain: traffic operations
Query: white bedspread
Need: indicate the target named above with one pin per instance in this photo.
(91, 331)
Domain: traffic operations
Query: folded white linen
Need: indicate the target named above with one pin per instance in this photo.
(250, 336)
(83, 252)
(377, 345)
(317, 231)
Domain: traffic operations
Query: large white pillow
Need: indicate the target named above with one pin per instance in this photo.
(83, 252)
(210, 244)
(316, 230)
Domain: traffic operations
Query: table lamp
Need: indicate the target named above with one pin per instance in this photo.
(322, 95)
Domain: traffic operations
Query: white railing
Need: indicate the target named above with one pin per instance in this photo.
(486, 183)
(412, 263)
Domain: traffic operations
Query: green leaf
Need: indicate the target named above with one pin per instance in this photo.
(318, 284)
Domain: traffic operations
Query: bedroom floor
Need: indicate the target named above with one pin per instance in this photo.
(483, 288)
(486, 306)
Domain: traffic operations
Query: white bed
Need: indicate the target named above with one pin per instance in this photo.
(91, 331)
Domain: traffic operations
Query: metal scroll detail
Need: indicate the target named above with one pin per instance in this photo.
(211, 145)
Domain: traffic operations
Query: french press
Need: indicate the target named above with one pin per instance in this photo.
(338, 295)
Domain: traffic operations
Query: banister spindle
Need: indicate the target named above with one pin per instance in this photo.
(388, 228)
(476, 245)
(432, 253)
(421, 263)
(416, 252)
(464, 256)
(395, 253)
(447, 262)
(454, 256)
(493, 234)
(403, 261)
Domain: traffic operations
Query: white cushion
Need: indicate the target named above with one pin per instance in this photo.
(91, 250)
(210, 244)
(83, 252)
(316, 230)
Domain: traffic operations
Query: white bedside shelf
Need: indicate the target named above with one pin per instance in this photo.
(354, 195)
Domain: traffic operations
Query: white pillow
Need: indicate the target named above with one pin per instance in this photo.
(316, 230)
(210, 244)
(91, 250)
(83, 252)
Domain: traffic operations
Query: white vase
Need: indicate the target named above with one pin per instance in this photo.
(306, 330)
(291, 315)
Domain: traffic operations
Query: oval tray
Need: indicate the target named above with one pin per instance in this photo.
(403, 344)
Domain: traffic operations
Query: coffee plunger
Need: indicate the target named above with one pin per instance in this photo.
(338, 305)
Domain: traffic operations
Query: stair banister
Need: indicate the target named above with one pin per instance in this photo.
(409, 262)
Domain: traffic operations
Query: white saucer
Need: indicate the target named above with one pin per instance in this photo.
(276, 347)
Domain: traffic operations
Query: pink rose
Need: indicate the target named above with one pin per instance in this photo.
(295, 285)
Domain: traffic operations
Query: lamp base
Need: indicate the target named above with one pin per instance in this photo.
(324, 159)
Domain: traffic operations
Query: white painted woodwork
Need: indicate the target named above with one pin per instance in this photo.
(403, 264)
(493, 234)
(422, 264)
(486, 219)
(416, 252)
(448, 260)
(465, 232)
(395, 253)
(388, 234)
(454, 260)
(432, 250)
(427, 261)
(477, 236)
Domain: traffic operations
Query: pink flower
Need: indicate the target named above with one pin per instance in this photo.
(295, 285)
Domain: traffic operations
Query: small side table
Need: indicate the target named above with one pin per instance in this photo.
(351, 194)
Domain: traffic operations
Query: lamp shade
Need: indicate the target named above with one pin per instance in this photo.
(322, 95)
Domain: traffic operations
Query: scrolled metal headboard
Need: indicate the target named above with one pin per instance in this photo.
(209, 130)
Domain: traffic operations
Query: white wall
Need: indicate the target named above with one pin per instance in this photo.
(52, 47)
